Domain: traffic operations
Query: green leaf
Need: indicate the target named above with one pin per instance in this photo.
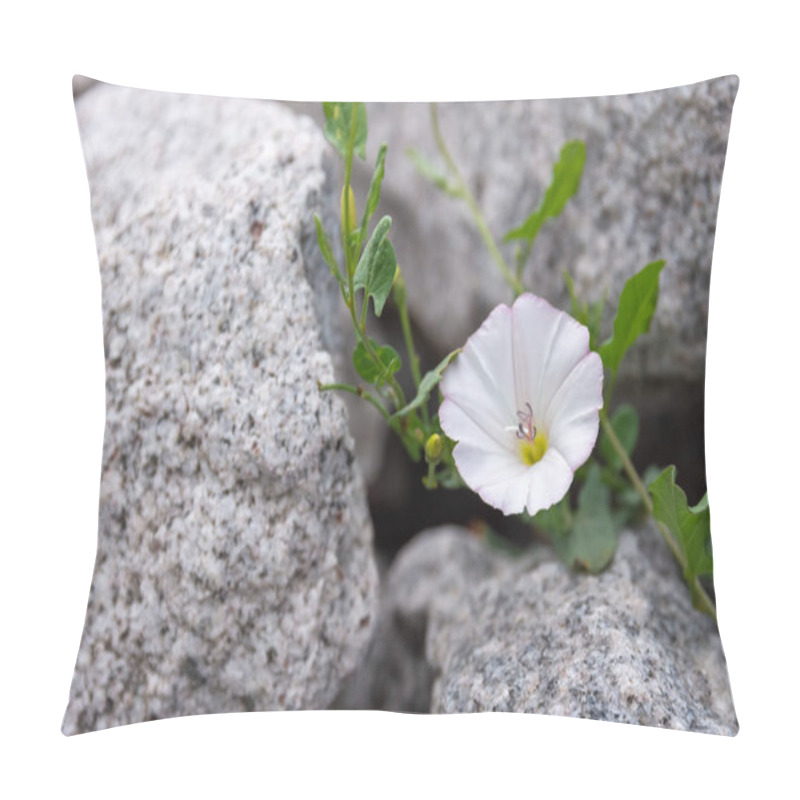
(376, 267)
(701, 506)
(374, 194)
(339, 119)
(592, 540)
(565, 182)
(428, 383)
(383, 271)
(625, 424)
(377, 373)
(637, 303)
(432, 173)
(361, 275)
(627, 511)
(324, 242)
(690, 527)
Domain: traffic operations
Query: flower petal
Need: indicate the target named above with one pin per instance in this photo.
(481, 379)
(528, 354)
(461, 427)
(549, 481)
(513, 486)
(497, 475)
(547, 344)
(572, 419)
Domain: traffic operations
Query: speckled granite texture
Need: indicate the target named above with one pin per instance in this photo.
(234, 566)
(463, 628)
(395, 675)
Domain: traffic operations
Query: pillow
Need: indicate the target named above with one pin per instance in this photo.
(237, 568)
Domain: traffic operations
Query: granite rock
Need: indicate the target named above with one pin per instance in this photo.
(439, 566)
(531, 636)
(234, 566)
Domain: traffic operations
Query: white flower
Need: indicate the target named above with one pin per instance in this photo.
(522, 401)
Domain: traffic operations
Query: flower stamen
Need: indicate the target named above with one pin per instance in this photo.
(533, 443)
(526, 429)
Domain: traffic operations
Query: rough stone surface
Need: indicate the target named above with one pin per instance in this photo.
(624, 646)
(650, 190)
(395, 675)
(234, 567)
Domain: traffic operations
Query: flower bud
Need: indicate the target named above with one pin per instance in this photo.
(433, 448)
(399, 286)
(352, 219)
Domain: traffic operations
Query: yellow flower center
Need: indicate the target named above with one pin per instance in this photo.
(533, 450)
(532, 442)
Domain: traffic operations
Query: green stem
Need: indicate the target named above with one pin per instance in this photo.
(431, 482)
(358, 391)
(348, 171)
(609, 389)
(613, 479)
(352, 249)
(627, 465)
(364, 313)
(360, 329)
(400, 398)
(399, 296)
(409, 342)
(641, 490)
(483, 228)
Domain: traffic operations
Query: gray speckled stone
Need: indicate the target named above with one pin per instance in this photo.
(650, 190)
(439, 566)
(530, 636)
(234, 567)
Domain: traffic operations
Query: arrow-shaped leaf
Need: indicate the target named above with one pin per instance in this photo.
(376, 373)
(565, 182)
(376, 267)
(374, 193)
(338, 124)
(324, 242)
(690, 526)
(637, 303)
(591, 541)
